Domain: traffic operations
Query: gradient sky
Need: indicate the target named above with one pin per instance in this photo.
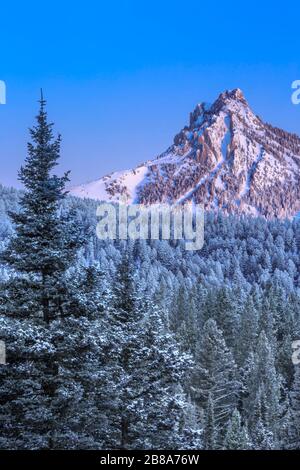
(121, 77)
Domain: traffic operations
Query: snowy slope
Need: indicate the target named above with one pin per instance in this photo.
(226, 158)
(112, 186)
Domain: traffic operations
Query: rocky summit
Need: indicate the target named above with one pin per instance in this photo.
(226, 158)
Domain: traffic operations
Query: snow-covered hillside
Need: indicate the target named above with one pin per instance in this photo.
(226, 158)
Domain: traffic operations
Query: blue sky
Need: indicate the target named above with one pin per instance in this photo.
(121, 77)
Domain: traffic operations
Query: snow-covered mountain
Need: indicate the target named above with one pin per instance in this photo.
(226, 158)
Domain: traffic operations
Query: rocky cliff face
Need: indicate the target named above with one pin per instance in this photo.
(227, 158)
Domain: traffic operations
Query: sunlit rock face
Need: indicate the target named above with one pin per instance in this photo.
(226, 158)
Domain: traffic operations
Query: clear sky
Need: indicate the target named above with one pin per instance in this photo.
(121, 77)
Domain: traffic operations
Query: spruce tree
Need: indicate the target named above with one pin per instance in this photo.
(294, 425)
(145, 404)
(215, 375)
(236, 436)
(262, 437)
(210, 428)
(45, 243)
(247, 338)
(263, 401)
(48, 387)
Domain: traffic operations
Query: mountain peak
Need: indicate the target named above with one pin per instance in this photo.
(230, 101)
(226, 159)
(235, 94)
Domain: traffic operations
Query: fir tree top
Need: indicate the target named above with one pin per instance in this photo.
(46, 241)
(43, 156)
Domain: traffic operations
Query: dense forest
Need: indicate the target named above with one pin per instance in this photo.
(142, 345)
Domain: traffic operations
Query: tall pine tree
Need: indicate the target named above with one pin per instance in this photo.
(46, 242)
(145, 406)
(48, 395)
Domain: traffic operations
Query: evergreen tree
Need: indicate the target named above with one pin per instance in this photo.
(47, 391)
(210, 428)
(263, 401)
(236, 436)
(146, 409)
(45, 244)
(215, 375)
(263, 439)
(294, 424)
(245, 341)
(224, 310)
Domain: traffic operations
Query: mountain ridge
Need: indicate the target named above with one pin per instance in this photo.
(226, 158)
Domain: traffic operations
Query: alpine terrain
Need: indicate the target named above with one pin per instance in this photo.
(227, 158)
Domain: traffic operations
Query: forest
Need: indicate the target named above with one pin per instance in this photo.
(142, 344)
